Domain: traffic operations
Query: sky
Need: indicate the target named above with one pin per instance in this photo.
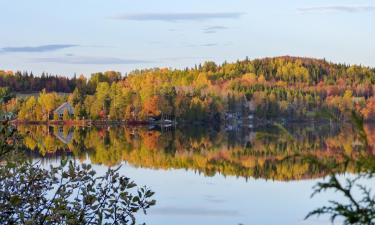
(68, 37)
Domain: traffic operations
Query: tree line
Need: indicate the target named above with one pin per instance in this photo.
(27, 82)
(281, 87)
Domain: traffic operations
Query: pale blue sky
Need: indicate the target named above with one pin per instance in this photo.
(85, 36)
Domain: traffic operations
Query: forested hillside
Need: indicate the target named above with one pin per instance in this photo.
(281, 87)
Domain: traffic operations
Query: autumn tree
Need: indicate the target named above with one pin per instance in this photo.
(48, 102)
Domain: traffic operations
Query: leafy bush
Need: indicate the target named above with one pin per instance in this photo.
(66, 194)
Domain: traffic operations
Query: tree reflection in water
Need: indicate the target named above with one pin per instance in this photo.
(260, 153)
(359, 204)
(282, 153)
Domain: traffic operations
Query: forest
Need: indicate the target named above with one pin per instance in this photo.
(289, 88)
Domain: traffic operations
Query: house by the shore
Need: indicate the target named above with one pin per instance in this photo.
(66, 106)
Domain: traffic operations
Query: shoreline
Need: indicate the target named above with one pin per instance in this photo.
(82, 122)
(99, 123)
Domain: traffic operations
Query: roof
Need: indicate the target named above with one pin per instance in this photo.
(64, 106)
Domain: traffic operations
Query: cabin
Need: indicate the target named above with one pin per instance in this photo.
(60, 110)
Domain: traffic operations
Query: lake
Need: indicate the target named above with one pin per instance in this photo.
(213, 174)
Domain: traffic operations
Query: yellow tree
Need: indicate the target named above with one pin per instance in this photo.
(48, 102)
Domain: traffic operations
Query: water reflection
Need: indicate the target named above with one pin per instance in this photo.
(64, 135)
(257, 153)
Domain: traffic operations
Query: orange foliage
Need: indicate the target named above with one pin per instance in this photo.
(369, 111)
(151, 106)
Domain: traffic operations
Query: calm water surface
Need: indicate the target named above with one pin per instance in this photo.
(211, 175)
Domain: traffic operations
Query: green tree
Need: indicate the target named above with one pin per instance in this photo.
(103, 96)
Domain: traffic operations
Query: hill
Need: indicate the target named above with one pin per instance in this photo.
(292, 88)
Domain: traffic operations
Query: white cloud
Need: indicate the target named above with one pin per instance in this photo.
(337, 8)
(174, 17)
(88, 60)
